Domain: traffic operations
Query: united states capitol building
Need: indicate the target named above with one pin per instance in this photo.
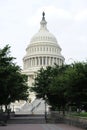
(42, 51)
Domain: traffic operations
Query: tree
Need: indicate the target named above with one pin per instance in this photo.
(64, 85)
(42, 81)
(58, 98)
(77, 84)
(49, 82)
(13, 84)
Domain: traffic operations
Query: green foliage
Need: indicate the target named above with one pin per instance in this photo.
(13, 84)
(77, 84)
(42, 81)
(82, 114)
(57, 88)
(64, 85)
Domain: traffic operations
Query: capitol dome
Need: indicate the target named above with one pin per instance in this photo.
(42, 51)
(43, 34)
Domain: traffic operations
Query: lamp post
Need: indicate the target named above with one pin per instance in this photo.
(45, 109)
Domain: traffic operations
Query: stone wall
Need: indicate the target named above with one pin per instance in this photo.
(76, 121)
(56, 117)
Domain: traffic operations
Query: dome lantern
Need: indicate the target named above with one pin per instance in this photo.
(43, 22)
(43, 35)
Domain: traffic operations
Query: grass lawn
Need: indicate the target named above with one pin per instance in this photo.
(82, 114)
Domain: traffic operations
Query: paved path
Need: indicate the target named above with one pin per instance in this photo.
(38, 127)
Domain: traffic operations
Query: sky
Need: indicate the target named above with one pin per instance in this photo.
(66, 19)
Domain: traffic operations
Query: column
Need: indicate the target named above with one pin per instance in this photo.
(42, 60)
(39, 61)
(30, 62)
(35, 61)
(49, 60)
(52, 60)
(59, 61)
(46, 60)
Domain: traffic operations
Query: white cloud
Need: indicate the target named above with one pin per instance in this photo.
(67, 20)
(81, 16)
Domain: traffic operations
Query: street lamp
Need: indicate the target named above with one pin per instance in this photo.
(45, 109)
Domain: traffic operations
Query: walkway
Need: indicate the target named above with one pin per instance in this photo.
(38, 127)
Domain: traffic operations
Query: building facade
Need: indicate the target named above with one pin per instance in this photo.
(42, 51)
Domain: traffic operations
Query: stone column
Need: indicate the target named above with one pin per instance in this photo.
(35, 61)
(49, 60)
(59, 61)
(39, 61)
(42, 60)
(46, 60)
(52, 60)
(30, 62)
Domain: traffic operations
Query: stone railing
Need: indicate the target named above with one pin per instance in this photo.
(76, 121)
(56, 117)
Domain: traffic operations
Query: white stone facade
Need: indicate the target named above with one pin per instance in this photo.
(42, 51)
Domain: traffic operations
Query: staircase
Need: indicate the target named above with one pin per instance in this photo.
(27, 119)
(36, 107)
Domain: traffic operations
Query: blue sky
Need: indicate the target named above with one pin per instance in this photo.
(66, 19)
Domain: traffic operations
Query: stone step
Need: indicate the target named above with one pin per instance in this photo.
(27, 119)
(53, 121)
(29, 115)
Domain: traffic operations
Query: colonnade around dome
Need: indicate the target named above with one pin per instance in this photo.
(43, 49)
(42, 61)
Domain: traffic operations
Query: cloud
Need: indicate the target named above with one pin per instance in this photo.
(67, 20)
(81, 16)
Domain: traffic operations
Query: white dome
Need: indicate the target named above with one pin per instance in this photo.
(44, 35)
(43, 50)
